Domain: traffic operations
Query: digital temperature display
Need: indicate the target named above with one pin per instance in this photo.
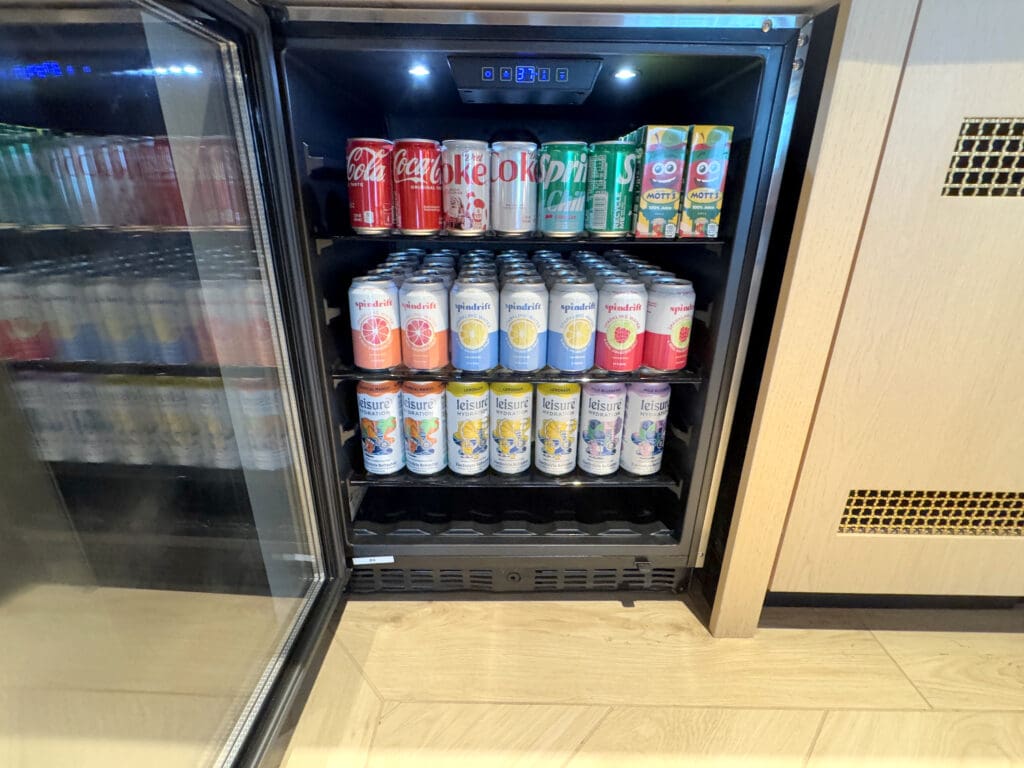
(523, 74)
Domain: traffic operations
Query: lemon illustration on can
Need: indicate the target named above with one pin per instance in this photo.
(577, 333)
(522, 333)
(473, 333)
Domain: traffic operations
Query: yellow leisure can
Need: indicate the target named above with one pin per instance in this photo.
(511, 422)
(468, 411)
(556, 426)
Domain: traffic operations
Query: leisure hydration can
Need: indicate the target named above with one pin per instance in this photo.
(572, 319)
(468, 412)
(643, 436)
(621, 319)
(562, 188)
(423, 309)
(524, 323)
(373, 318)
(511, 426)
(602, 413)
(669, 321)
(610, 183)
(513, 187)
(556, 427)
(423, 410)
(380, 426)
(474, 322)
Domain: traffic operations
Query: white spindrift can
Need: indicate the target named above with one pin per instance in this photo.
(468, 411)
(602, 411)
(556, 426)
(511, 422)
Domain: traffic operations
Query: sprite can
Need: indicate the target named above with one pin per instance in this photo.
(610, 184)
(562, 188)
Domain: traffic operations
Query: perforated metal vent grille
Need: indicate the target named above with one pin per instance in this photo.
(377, 579)
(988, 159)
(545, 580)
(947, 513)
(420, 579)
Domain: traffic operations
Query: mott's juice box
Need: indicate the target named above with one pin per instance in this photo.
(660, 182)
(705, 180)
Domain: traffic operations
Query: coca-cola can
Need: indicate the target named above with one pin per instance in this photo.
(370, 196)
(513, 187)
(416, 165)
(467, 186)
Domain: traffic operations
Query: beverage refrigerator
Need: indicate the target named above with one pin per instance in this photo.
(176, 251)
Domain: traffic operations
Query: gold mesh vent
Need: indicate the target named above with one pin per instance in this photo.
(988, 159)
(946, 513)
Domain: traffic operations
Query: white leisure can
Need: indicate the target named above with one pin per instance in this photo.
(426, 439)
(468, 415)
(601, 416)
(216, 430)
(643, 437)
(263, 440)
(511, 422)
(179, 431)
(466, 186)
(380, 426)
(513, 187)
(556, 425)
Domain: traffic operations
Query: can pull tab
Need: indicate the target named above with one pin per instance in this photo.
(643, 565)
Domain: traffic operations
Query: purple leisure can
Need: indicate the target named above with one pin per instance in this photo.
(602, 412)
(643, 437)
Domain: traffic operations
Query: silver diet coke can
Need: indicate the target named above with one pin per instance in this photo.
(466, 191)
(513, 187)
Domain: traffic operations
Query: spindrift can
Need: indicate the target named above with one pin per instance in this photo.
(373, 317)
(423, 304)
(423, 409)
(474, 322)
(643, 436)
(556, 426)
(601, 416)
(468, 411)
(380, 426)
(669, 320)
(621, 319)
(511, 421)
(572, 318)
(524, 323)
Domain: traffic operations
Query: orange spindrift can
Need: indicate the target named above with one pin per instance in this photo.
(373, 315)
(423, 303)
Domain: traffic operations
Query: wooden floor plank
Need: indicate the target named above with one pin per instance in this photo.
(669, 737)
(653, 652)
(920, 740)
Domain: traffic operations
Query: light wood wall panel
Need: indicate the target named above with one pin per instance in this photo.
(924, 387)
(864, 71)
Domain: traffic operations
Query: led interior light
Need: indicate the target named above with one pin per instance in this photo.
(626, 73)
(190, 69)
(419, 71)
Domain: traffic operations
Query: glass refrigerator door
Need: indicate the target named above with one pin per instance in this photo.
(158, 546)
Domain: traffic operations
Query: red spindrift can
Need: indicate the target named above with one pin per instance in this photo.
(370, 196)
(669, 320)
(416, 165)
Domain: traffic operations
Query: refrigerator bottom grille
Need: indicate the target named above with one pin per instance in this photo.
(378, 579)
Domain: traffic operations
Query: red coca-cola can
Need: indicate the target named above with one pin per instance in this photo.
(371, 199)
(416, 164)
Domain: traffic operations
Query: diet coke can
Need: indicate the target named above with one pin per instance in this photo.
(416, 164)
(467, 186)
(513, 187)
(370, 197)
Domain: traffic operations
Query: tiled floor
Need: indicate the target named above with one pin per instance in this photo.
(599, 682)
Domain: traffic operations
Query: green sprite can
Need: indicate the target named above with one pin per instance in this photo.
(562, 187)
(610, 186)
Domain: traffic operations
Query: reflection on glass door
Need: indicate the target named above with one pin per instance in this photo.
(157, 543)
